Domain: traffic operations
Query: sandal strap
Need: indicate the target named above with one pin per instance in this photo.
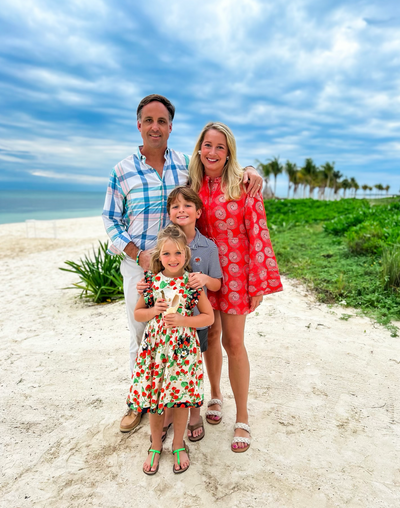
(245, 440)
(243, 426)
(196, 425)
(214, 401)
(213, 413)
(177, 451)
(154, 454)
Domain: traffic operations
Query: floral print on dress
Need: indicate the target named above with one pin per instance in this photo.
(169, 367)
(239, 229)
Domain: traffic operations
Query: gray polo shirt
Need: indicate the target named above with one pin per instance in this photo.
(204, 259)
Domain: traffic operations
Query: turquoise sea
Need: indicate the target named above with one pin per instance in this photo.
(18, 206)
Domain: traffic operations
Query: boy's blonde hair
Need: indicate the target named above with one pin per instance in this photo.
(175, 234)
(188, 195)
(232, 175)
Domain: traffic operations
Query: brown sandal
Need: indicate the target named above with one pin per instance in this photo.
(195, 427)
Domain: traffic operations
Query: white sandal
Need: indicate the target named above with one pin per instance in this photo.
(212, 412)
(238, 439)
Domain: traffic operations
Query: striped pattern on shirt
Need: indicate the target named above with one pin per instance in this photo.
(135, 207)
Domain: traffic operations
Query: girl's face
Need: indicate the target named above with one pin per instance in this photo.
(172, 257)
(213, 153)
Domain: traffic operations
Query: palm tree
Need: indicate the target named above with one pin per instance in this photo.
(354, 184)
(265, 171)
(291, 171)
(276, 169)
(387, 189)
(328, 168)
(336, 175)
(365, 187)
(378, 187)
(321, 181)
(345, 186)
(296, 180)
(309, 171)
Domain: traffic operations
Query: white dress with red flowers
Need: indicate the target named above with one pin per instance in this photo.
(169, 369)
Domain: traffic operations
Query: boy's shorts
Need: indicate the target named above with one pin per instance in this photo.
(203, 338)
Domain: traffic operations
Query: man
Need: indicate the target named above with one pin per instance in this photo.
(135, 207)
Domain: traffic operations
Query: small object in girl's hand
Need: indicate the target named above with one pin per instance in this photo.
(176, 302)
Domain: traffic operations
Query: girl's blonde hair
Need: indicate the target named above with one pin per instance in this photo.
(232, 174)
(175, 234)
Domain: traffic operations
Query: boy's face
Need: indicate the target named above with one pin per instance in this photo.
(183, 213)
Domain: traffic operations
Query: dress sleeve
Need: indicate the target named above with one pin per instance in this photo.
(264, 275)
(148, 294)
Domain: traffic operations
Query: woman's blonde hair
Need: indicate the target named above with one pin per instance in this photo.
(232, 174)
(176, 235)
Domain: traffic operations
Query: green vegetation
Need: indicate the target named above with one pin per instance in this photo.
(348, 251)
(325, 178)
(100, 278)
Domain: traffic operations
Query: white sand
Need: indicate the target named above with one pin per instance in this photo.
(324, 400)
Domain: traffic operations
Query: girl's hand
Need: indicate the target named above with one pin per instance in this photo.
(197, 280)
(255, 302)
(160, 306)
(173, 320)
(141, 286)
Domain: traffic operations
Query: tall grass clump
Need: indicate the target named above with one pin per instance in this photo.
(100, 276)
(391, 268)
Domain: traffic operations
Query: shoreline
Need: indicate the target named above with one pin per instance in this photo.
(323, 399)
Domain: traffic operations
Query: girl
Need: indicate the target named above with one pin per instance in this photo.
(169, 367)
(238, 225)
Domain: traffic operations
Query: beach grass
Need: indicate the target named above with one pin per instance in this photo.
(342, 251)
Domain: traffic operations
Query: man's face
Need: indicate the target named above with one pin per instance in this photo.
(154, 125)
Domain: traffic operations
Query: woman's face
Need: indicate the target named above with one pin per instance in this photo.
(213, 153)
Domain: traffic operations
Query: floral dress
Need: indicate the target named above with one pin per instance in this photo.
(239, 229)
(169, 369)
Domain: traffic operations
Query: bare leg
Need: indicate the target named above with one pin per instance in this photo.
(156, 425)
(239, 368)
(168, 417)
(180, 421)
(213, 360)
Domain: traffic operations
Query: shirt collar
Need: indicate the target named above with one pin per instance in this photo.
(198, 240)
(142, 157)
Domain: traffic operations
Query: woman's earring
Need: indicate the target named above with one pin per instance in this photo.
(227, 157)
(199, 152)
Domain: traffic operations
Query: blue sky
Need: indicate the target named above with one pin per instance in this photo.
(293, 79)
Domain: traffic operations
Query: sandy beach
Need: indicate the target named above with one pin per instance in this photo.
(324, 399)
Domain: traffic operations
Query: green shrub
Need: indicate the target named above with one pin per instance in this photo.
(100, 278)
(391, 267)
(365, 239)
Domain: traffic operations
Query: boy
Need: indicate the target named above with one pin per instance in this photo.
(184, 207)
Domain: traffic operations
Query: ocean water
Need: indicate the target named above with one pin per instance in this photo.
(19, 206)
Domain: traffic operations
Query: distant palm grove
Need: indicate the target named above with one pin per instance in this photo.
(325, 179)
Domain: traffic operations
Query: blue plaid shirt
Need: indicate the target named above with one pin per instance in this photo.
(135, 208)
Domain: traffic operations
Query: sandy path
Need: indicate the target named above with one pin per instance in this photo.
(324, 400)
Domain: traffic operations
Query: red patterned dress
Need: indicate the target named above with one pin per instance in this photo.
(239, 229)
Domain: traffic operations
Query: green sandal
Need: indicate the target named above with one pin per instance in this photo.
(185, 449)
(150, 473)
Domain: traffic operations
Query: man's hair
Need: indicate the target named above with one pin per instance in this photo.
(188, 194)
(156, 98)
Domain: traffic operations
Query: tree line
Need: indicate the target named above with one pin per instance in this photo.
(326, 179)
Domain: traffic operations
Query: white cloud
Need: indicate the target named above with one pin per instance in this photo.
(70, 177)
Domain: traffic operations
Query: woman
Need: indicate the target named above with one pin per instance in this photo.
(237, 224)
